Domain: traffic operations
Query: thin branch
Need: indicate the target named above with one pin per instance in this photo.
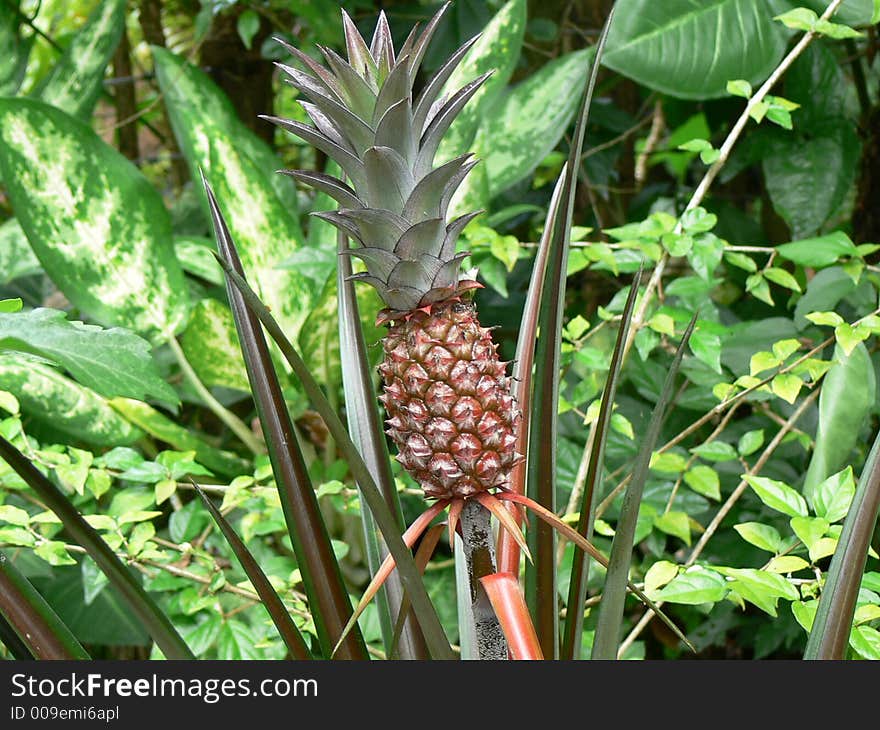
(235, 424)
(725, 508)
(723, 155)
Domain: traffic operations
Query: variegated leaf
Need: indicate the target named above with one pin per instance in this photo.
(528, 121)
(16, 257)
(76, 80)
(241, 169)
(496, 51)
(98, 227)
(56, 402)
(211, 346)
(196, 106)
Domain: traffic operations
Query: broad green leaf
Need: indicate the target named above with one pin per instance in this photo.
(760, 588)
(675, 46)
(704, 480)
(497, 50)
(818, 252)
(63, 405)
(164, 429)
(777, 495)
(528, 121)
(761, 536)
(808, 178)
(241, 170)
(845, 402)
(694, 587)
(211, 346)
(110, 362)
(16, 256)
(76, 81)
(97, 225)
(199, 109)
(832, 498)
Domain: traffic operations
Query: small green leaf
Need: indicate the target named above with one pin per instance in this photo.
(715, 451)
(809, 529)
(750, 442)
(694, 587)
(658, 575)
(866, 642)
(837, 31)
(761, 536)
(704, 480)
(14, 515)
(832, 498)
(706, 346)
(782, 277)
(787, 386)
(830, 319)
(787, 564)
(848, 336)
(10, 305)
(798, 19)
(247, 26)
(668, 462)
(741, 261)
(739, 87)
(54, 553)
(758, 287)
(763, 361)
(17, 536)
(777, 495)
(676, 524)
(664, 324)
(164, 489)
(760, 588)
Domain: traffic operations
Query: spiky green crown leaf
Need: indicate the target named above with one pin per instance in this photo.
(366, 119)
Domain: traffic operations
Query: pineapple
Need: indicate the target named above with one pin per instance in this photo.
(446, 394)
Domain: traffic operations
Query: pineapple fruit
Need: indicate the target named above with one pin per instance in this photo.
(447, 397)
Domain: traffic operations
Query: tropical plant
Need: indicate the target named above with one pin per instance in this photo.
(470, 438)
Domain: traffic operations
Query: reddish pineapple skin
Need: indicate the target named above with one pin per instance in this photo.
(447, 396)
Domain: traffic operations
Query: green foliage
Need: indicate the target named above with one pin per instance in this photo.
(104, 260)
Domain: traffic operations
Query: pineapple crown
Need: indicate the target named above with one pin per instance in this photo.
(366, 120)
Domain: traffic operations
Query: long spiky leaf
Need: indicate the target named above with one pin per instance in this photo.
(541, 587)
(365, 426)
(580, 566)
(434, 635)
(829, 635)
(614, 591)
(328, 598)
(277, 611)
(32, 620)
